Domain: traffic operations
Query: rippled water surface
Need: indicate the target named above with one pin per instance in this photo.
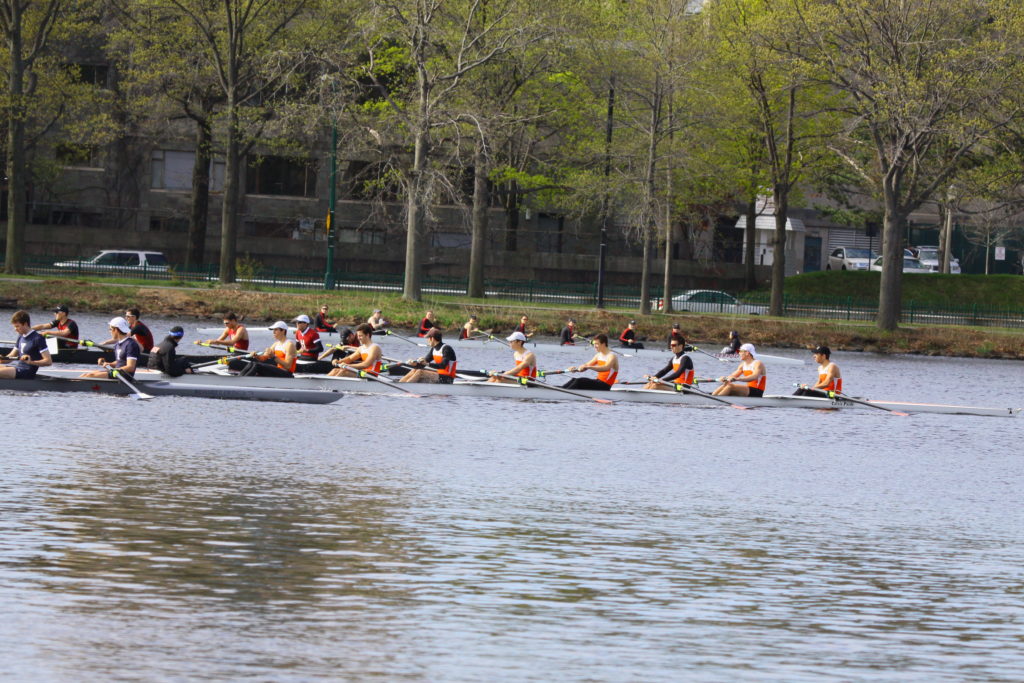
(454, 539)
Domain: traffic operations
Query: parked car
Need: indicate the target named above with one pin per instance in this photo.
(850, 258)
(713, 301)
(119, 261)
(931, 258)
(910, 265)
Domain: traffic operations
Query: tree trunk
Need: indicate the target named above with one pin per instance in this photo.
(16, 167)
(199, 211)
(480, 206)
(749, 252)
(229, 212)
(412, 289)
(779, 252)
(666, 283)
(890, 290)
(645, 273)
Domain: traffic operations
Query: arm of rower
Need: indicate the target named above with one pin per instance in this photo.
(667, 373)
(830, 375)
(43, 362)
(289, 356)
(43, 326)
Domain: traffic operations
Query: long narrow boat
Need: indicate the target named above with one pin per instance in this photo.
(483, 389)
(90, 356)
(213, 387)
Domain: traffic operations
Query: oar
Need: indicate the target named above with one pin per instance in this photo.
(370, 375)
(535, 383)
(499, 340)
(136, 392)
(401, 364)
(709, 355)
(330, 348)
(389, 333)
(689, 390)
(229, 349)
(221, 360)
(833, 394)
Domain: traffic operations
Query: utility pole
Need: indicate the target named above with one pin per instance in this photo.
(607, 199)
(331, 232)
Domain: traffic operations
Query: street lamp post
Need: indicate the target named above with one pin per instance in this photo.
(607, 203)
(331, 232)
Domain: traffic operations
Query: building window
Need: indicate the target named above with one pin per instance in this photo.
(172, 170)
(75, 156)
(550, 231)
(281, 176)
(352, 236)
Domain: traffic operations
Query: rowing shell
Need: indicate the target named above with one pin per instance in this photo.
(162, 386)
(483, 389)
(768, 358)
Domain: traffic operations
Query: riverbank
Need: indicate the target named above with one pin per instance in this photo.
(352, 307)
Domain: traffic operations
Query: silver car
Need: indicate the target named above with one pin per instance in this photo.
(910, 265)
(713, 301)
(850, 258)
(931, 258)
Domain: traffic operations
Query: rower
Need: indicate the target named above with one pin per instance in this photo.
(323, 323)
(679, 369)
(282, 352)
(829, 377)
(126, 351)
(733, 347)
(165, 355)
(308, 339)
(675, 333)
(367, 357)
(427, 324)
(62, 326)
(377, 321)
(29, 352)
(628, 337)
(139, 331)
(605, 363)
(568, 335)
(526, 361)
(470, 329)
(234, 334)
(440, 358)
(751, 375)
(524, 326)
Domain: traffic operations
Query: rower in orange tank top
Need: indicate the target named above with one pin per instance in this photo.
(749, 379)
(830, 379)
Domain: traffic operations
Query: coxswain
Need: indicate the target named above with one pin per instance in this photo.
(427, 324)
(675, 333)
(749, 379)
(234, 334)
(679, 369)
(524, 327)
(366, 357)
(470, 329)
(829, 377)
(126, 351)
(29, 352)
(377, 321)
(628, 337)
(139, 331)
(277, 360)
(605, 363)
(440, 359)
(165, 355)
(62, 327)
(307, 338)
(734, 344)
(526, 361)
(346, 342)
(323, 323)
(568, 334)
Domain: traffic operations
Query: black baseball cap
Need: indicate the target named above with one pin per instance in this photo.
(61, 308)
(824, 350)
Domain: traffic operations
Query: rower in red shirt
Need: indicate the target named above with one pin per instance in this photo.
(307, 338)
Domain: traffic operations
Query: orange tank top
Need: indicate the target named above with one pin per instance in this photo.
(760, 383)
(529, 371)
(447, 370)
(364, 353)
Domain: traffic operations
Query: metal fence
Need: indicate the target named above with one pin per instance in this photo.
(581, 294)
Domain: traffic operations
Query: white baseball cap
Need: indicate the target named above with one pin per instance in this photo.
(301, 319)
(750, 348)
(516, 336)
(279, 325)
(121, 324)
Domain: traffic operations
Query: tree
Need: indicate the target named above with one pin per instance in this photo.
(924, 84)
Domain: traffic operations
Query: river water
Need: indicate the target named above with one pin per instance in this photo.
(434, 538)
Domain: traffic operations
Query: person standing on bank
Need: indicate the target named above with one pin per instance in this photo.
(605, 363)
(829, 376)
(126, 351)
(62, 327)
(165, 355)
(440, 359)
(749, 379)
(29, 352)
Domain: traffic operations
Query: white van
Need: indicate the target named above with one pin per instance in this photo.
(117, 261)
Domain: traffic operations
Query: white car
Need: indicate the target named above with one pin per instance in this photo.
(713, 301)
(931, 258)
(118, 261)
(850, 258)
(910, 265)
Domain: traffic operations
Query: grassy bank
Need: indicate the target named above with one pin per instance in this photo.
(260, 307)
(994, 291)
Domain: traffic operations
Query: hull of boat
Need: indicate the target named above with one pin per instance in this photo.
(212, 388)
(91, 356)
